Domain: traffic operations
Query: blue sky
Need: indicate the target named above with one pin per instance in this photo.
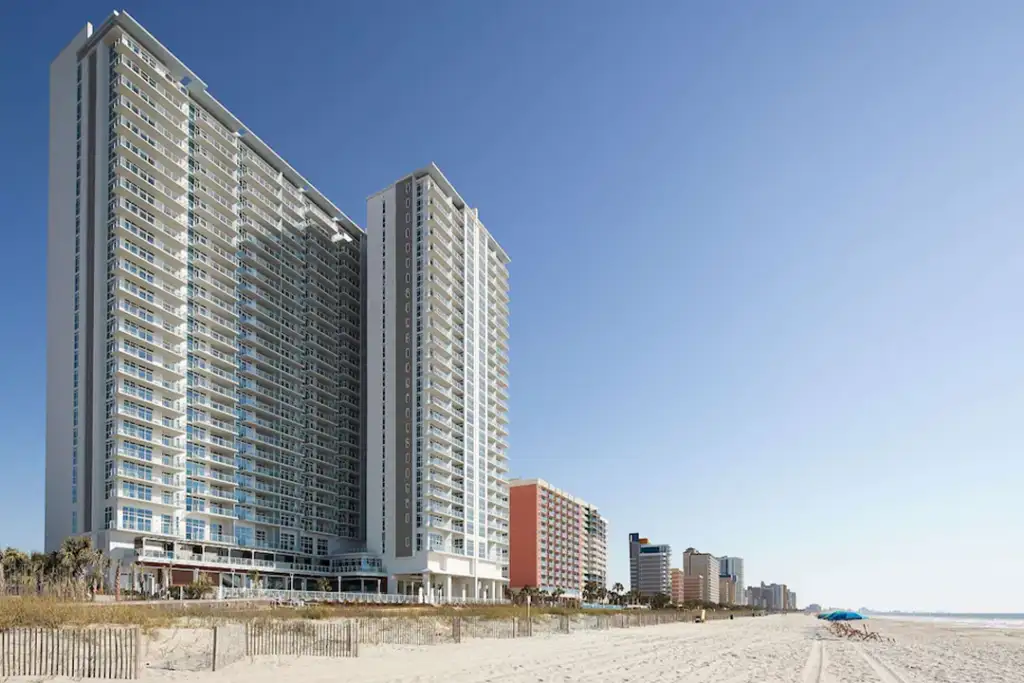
(766, 256)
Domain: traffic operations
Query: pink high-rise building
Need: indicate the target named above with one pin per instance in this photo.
(557, 542)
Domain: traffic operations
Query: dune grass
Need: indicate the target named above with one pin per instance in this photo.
(50, 612)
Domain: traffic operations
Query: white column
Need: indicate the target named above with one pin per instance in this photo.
(476, 587)
(427, 590)
(464, 591)
(448, 588)
(494, 591)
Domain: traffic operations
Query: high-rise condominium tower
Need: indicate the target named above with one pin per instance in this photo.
(733, 566)
(437, 385)
(706, 566)
(649, 566)
(204, 357)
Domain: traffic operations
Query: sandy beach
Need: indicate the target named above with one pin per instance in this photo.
(777, 649)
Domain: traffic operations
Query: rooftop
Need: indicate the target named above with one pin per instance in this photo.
(197, 89)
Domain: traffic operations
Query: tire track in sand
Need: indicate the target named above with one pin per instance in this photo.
(814, 669)
(885, 673)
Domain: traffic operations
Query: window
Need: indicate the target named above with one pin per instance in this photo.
(130, 489)
(321, 546)
(195, 529)
(139, 519)
(307, 545)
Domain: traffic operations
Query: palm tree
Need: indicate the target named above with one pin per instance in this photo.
(96, 578)
(117, 581)
(15, 566)
(323, 585)
(528, 592)
(40, 565)
(75, 556)
(134, 580)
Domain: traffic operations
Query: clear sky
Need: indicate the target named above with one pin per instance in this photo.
(767, 258)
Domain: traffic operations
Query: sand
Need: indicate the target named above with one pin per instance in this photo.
(777, 649)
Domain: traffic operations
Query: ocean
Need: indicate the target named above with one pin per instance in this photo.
(971, 620)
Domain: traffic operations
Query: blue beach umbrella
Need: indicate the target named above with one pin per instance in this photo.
(845, 616)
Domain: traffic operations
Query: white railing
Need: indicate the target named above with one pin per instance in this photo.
(226, 593)
(315, 596)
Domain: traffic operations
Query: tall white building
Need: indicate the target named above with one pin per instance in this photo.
(205, 359)
(733, 566)
(437, 385)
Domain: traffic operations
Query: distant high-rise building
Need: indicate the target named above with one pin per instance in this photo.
(437, 391)
(771, 597)
(677, 594)
(733, 566)
(706, 566)
(649, 566)
(727, 590)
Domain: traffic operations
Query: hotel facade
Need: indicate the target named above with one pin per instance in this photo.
(649, 567)
(207, 395)
(558, 542)
(438, 501)
(705, 566)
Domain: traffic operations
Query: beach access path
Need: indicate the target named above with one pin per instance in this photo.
(774, 649)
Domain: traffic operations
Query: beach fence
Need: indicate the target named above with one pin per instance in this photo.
(116, 652)
(213, 648)
(107, 652)
(456, 629)
(310, 638)
(194, 648)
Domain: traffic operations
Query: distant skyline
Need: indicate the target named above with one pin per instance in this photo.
(765, 258)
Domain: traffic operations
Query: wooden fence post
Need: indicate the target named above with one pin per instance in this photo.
(213, 666)
(138, 652)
